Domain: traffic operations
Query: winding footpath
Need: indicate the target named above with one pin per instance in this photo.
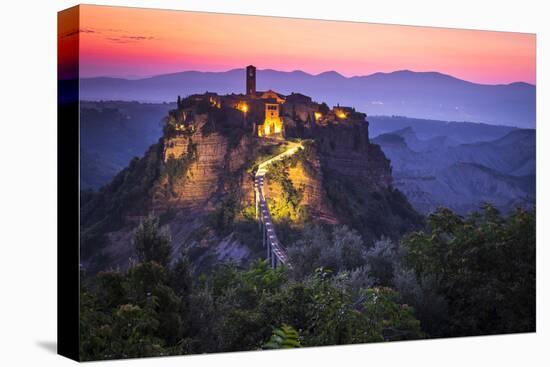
(275, 251)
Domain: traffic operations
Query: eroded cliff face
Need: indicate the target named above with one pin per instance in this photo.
(347, 151)
(314, 197)
(217, 170)
(306, 176)
(199, 181)
(211, 163)
(196, 170)
(357, 185)
(344, 147)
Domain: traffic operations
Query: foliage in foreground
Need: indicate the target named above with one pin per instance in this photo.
(483, 265)
(283, 338)
(154, 309)
(462, 276)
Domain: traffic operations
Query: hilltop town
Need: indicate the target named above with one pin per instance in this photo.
(200, 179)
(266, 114)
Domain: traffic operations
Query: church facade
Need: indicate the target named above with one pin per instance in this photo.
(272, 124)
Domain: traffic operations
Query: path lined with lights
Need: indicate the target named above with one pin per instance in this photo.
(275, 251)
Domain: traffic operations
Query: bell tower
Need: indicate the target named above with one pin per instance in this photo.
(251, 80)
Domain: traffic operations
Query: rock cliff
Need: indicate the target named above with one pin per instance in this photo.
(198, 180)
(346, 150)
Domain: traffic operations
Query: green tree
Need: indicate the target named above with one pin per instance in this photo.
(325, 311)
(151, 243)
(240, 322)
(337, 318)
(95, 334)
(382, 258)
(350, 245)
(132, 333)
(483, 265)
(284, 337)
(181, 277)
(112, 287)
(387, 318)
(340, 250)
(167, 308)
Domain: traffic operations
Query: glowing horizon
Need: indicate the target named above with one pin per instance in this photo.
(139, 43)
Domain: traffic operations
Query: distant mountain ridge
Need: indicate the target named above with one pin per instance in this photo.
(430, 95)
(462, 132)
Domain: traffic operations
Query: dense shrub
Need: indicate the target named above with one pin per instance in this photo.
(484, 267)
(154, 309)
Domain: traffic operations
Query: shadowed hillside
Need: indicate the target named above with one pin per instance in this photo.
(112, 133)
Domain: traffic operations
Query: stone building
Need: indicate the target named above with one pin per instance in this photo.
(250, 80)
(266, 113)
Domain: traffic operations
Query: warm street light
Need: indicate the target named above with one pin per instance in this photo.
(242, 107)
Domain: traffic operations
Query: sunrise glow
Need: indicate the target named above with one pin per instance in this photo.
(129, 42)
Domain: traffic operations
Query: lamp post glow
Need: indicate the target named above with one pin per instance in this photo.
(244, 108)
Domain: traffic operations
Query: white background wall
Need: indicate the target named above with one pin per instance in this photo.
(28, 182)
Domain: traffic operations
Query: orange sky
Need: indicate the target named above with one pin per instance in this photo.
(117, 41)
